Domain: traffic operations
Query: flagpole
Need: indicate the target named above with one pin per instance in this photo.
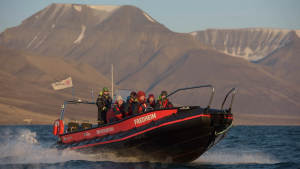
(73, 92)
(112, 81)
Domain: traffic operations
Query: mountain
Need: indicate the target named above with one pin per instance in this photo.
(252, 44)
(276, 49)
(147, 56)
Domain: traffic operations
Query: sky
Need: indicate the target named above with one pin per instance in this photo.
(180, 15)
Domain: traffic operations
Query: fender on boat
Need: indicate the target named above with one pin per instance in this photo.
(58, 127)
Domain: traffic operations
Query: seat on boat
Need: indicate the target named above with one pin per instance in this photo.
(86, 125)
(73, 126)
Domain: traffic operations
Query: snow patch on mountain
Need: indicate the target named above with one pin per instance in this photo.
(77, 8)
(193, 33)
(81, 35)
(149, 17)
(40, 42)
(106, 8)
(59, 10)
(34, 38)
(298, 33)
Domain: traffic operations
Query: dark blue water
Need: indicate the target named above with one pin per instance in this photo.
(244, 147)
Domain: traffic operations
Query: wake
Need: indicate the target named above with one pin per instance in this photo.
(236, 157)
(22, 147)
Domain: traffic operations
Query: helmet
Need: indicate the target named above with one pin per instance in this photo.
(133, 94)
(119, 98)
(150, 95)
(105, 89)
(164, 93)
(141, 93)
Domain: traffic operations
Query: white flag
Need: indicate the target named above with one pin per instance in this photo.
(62, 84)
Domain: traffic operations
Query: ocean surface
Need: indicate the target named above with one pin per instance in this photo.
(244, 147)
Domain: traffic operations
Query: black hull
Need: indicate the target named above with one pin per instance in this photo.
(181, 137)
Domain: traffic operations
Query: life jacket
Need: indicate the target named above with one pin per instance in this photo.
(152, 104)
(165, 103)
(103, 101)
(142, 107)
(118, 111)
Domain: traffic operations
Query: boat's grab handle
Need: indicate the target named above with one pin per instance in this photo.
(196, 87)
(233, 92)
(73, 101)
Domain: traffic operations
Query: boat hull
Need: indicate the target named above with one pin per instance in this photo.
(180, 137)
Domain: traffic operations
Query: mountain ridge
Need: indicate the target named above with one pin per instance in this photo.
(252, 44)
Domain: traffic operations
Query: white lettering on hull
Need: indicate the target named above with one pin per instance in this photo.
(106, 130)
(145, 118)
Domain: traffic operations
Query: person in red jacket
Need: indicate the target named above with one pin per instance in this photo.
(118, 109)
(163, 102)
(142, 104)
(151, 101)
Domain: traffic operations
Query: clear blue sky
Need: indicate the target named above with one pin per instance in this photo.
(181, 15)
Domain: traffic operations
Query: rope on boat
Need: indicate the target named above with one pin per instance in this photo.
(218, 133)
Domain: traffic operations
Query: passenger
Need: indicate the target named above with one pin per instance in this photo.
(151, 101)
(131, 105)
(118, 109)
(163, 102)
(143, 105)
(103, 103)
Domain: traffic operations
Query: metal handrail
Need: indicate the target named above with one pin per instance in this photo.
(233, 92)
(196, 87)
(73, 101)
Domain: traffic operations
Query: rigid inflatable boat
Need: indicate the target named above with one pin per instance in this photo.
(179, 134)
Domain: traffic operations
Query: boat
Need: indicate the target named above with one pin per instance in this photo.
(179, 135)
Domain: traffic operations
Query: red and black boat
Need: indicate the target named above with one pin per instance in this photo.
(179, 134)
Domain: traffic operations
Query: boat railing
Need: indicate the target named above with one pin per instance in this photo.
(231, 92)
(197, 87)
(73, 101)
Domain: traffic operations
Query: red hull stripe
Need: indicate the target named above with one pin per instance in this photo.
(141, 132)
(126, 125)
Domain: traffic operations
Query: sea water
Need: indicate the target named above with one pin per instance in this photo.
(243, 147)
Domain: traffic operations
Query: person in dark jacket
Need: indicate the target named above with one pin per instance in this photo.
(131, 105)
(163, 102)
(151, 101)
(103, 103)
(118, 109)
(143, 105)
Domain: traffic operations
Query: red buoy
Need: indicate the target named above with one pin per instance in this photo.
(58, 127)
(61, 127)
(55, 127)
